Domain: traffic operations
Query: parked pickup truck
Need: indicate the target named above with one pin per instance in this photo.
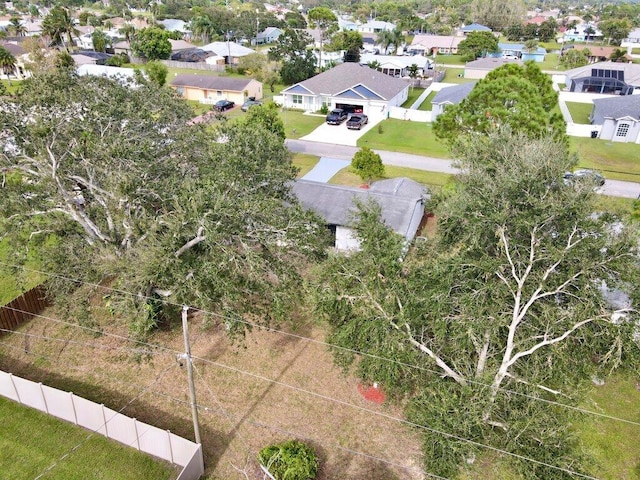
(357, 121)
(336, 116)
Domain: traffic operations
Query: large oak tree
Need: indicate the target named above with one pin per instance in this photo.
(134, 191)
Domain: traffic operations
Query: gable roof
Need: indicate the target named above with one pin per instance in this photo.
(475, 27)
(398, 61)
(211, 82)
(225, 49)
(453, 95)
(13, 48)
(436, 41)
(616, 108)
(180, 45)
(352, 76)
(597, 51)
(398, 198)
(269, 31)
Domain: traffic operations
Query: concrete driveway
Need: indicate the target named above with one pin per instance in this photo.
(325, 169)
(340, 134)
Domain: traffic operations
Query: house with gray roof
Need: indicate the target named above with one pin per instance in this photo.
(604, 77)
(268, 35)
(474, 27)
(518, 50)
(401, 201)
(208, 89)
(350, 86)
(449, 96)
(619, 118)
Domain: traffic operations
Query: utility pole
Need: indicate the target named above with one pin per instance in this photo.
(192, 388)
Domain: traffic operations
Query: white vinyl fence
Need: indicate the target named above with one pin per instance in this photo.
(100, 419)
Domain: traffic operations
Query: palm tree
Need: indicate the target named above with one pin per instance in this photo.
(375, 64)
(58, 25)
(7, 62)
(127, 30)
(16, 27)
(202, 28)
(390, 38)
(100, 40)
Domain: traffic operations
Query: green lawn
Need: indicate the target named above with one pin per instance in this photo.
(14, 282)
(580, 112)
(451, 76)
(613, 446)
(618, 161)
(435, 181)
(405, 136)
(304, 162)
(551, 62)
(426, 105)
(13, 86)
(297, 125)
(449, 60)
(414, 93)
(31, 441)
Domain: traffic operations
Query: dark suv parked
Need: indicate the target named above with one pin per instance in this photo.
(336, 116)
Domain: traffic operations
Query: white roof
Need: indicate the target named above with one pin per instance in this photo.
(225, 49)
(124, 75)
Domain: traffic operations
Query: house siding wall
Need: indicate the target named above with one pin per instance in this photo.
(254, 89)
(610, 126)
(346, 239)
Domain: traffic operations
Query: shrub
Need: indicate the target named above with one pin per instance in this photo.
(324, 109)
(291, 460)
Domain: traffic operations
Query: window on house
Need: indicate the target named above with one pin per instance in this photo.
(622, 130)
(180, 90)
(219, 93)
(297, 99)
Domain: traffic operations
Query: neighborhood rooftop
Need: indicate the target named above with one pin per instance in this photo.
(616, 107)
(348, 75)
(210, 82)
(454, 94)
(398, 199)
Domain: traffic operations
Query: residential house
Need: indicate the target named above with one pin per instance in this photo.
(328, 59)
(398, 65)
(618, 117)
(632, 43)
(449, 96)
(480, 68)
(209, 88)
(376, 26)
(606, 77)
(175, 25)
(347, 24)
(351, 86)
(517, 51)
(122, 47)
(268, 35)
(22, 58)
(537, 20)
(126, 76)
(580, 33)
(401, 202)
(230, 50)
(434, 44)
(179, 45)
(33, 27)
(474, 27)
(596, 53)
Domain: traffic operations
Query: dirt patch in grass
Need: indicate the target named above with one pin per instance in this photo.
(239, 412)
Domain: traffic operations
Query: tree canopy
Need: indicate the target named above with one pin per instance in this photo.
(297, 62)
(520, 97)
(151, 43)
(133, 191)
(367, 164)
(478, 44)
(509, 299)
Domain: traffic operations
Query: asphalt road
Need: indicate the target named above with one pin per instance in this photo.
(614, 188)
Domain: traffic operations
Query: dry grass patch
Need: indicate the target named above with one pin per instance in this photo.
(239, 412)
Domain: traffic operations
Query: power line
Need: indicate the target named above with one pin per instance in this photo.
(326, 344)
(390, 417)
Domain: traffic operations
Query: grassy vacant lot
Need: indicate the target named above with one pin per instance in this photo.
(414, 93)
(297, 125)
(31, 441)
(580, 112)
(619, 161)
(552, 62)
(449, 60)
(405, 136)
